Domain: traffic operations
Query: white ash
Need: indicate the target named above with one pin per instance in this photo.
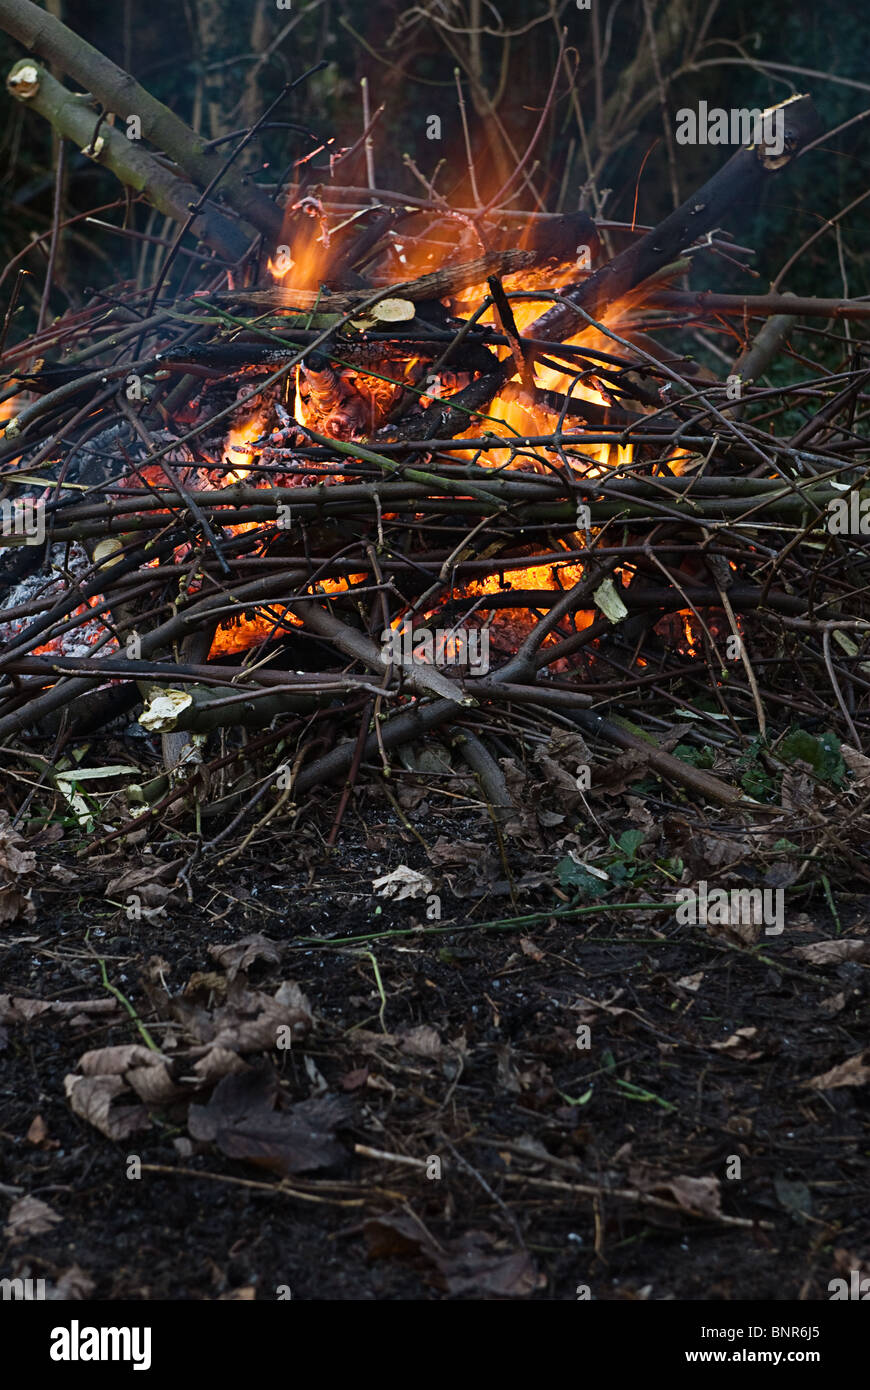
(50, 582)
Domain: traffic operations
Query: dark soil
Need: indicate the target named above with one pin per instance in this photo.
(562, 1166)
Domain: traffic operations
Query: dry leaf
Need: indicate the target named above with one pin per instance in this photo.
(471, 1265)
(857, 763)
(15, 861)
(217, 1063)
(853, 1072)
(422, 1041)
(38, 1134)
(91, 1098)
(737, 1045)
(30, 1217)
(63, 875)
(241, 1119)
(403, 882)
(528, 948)
(701, 1196)
(15, 904)
(18, 1010)
(832, 952)
(153, 885)
(240, 955)
(834, 1004)
(613, 777)
(250, 1020)
(114, 1061)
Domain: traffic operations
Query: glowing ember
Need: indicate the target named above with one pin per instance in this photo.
(244, 433)
(344, 402)
(238, 634)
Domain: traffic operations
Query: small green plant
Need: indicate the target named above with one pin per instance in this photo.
(695, 757)
(822, 753)
(617, 867)
(755, 779)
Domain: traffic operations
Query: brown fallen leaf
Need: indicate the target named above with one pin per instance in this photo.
(857, 763)
(241, 1119)
(20, 1010)
(403, 882)
(620, 772)
(28, 1216)
(834, 1004)
(91, 1098)
(832, 952)
(469, 1265)
(240, 955)
(15, 860)
(250, 1020)
(37, 1134)
(692, 983)
(63, 875)
(532, 1076)
(217, 1063)
(587, 1008)
(472, 1268)
(734, 928)
(14, 904)
(141, 1068)
(422, 1041)
(561, 780)
(798, 788)
(153, 1083)
(395, 1234)
(853, 1072)
(153, 885)
(16, 864)
(209, 986)
(737, 1045)
(353, 1080)
(445, 851)
(699, 1195)
(507, 1072)
(114, 1061)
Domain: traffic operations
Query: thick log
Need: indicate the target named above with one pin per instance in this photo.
(704, 302)
(740, 179)
(435, 286)
(738, 183)
(221, 358)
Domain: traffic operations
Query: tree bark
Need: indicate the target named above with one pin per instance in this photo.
(740, 181)
(706, 302)
(121, 93)
(76, 120)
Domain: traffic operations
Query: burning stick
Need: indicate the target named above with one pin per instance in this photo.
(739, 181)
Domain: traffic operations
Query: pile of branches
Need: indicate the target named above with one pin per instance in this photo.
(724, 562)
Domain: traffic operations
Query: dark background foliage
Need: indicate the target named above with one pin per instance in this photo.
(219, 62)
